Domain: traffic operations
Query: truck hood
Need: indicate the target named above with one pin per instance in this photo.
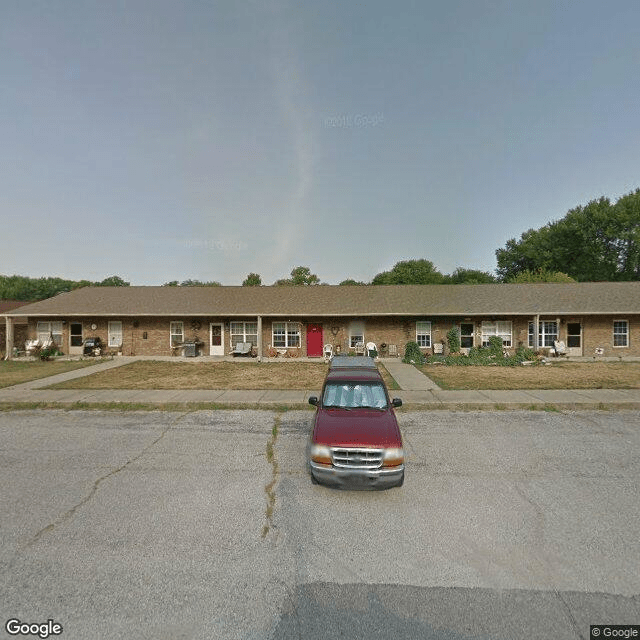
(356, 428)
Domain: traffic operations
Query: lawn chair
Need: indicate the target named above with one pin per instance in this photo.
(359, 348)
(560, 348)
(242, 349)
(327, 351)
(31, 345)
(393, 350)
(372, 350)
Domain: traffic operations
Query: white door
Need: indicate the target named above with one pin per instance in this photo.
(216, 339)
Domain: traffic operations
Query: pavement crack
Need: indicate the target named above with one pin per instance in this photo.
(69, 513)
(270, 488)
(540, 523)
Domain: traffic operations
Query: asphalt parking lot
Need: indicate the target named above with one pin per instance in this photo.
(179, 525)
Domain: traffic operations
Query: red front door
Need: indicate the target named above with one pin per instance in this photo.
(314, 340)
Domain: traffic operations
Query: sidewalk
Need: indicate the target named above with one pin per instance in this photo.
(418, 392)
(408, 377)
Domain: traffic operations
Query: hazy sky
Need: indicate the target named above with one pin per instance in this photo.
(163, 140)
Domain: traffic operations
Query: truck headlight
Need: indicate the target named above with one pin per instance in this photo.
(321, 453)
(393, 457)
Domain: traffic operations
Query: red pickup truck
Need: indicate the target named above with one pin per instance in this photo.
(356, 440)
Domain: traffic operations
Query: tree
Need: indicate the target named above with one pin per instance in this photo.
(595, 242)
(200, 283)
(410, 272)
(192, 283)
(351, 281)
(252, 280)
(469, 276)
(113, 281)
(303, 276)
(30, 289)
(540, 276)
(299, 276)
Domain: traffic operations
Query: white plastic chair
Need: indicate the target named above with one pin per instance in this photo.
(559, 347)
(327, 351)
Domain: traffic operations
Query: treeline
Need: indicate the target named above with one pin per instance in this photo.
(30, 289)
(596, 242)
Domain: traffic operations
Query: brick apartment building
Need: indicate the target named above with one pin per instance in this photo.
(592, 319)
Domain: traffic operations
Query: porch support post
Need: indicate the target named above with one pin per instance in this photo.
(259, 338)
(536, 331)
(9, 340)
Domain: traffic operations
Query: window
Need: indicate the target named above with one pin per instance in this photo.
(423, 333)
(177, 333)
(501, 328)
(114, 338)
(244, 332)
(354, 394)
(356, 333)
(620, 333)
(547, 334)
(285, 334)
(466, 335)
(531, 337)
(48, 330)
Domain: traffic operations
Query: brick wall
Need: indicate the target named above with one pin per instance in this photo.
(151, 335)
(20, 334)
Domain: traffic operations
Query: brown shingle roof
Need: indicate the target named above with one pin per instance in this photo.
(329, 300)
(8, 305)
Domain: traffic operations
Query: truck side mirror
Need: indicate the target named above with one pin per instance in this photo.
(313, 400)
(396, 402)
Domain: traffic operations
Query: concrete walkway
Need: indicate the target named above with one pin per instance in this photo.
(416, 393)
(408, 377)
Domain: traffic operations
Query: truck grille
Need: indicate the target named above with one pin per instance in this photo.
(357, 458)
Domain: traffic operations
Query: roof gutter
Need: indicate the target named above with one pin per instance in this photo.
(442, 314)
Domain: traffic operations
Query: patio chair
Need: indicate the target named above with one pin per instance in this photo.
(560, 348)
(438, 348)
(242, 349)
(327, 351)
(372, 350)
(359, 348)
(31, 345)
(393, 350)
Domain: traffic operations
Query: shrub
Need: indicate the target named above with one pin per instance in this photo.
(485, 356)
(524, 353)
(412, 354)
(496, 345)
(453, 338)
(48, 353)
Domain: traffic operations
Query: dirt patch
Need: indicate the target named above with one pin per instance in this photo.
(565, 375)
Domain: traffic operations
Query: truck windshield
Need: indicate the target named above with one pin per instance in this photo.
(353, 395)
